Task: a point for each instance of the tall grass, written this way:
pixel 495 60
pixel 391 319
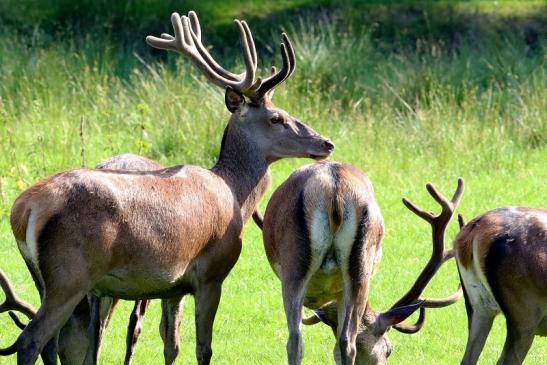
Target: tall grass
pixel 405 112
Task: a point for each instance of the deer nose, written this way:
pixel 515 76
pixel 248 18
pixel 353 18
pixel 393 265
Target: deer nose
pixel 328 145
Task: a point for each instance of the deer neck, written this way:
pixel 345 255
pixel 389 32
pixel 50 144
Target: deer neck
pixel 244 169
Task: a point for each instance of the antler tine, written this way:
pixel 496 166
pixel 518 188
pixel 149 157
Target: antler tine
pixel 412 328
pixel 444 302
pixel 187 40
pixel 311 320
pixel 447 255
pixel 250 66
pixel 167 41
pixel 439 254
pixel 13 302
pixel 448 206
pixel 241 82
pixel 427 216
pixel 461 221
pixel 16 320
pixel 292 55
pixel 196 36
pixel 251 41
pixel 288 57
pixel 458 193
pixel 194 22
pixel 439 198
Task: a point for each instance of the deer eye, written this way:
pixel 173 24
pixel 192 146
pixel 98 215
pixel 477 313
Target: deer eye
pixel 277 119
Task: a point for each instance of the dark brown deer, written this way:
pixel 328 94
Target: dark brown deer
pixel 502 261
pixel 323 234
pixel 160 234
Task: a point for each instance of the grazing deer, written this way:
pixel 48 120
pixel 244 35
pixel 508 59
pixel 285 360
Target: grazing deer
pixel 159 234
pixel 323 234
pixel 502 261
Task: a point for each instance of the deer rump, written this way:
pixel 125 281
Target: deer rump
pixel 334 218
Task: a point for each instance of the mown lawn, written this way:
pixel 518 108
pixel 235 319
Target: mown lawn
pixel 408 93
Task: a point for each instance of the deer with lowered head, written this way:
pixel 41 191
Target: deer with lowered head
pixel 323 234
pixel 159 234
pixel 502 261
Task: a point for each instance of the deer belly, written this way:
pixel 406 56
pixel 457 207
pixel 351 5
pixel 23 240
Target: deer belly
pixel 132 283
pixel 324 286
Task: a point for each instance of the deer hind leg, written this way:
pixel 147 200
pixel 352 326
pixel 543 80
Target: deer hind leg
pixel 171 315
pixel 134 329
pixel 356 268
pixel 55 310
pixel 350 312
pixel 481 323
pixel 207 298
pixel 522 321
pixel 293 292
pixel 51 349
pixel 517 343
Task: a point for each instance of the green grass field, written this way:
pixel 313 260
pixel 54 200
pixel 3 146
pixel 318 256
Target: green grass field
pixel 409 93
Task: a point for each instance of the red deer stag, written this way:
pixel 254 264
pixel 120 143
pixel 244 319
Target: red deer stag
pixel 323 234
pixel 502 261
pixel 73 337
pixel 159 234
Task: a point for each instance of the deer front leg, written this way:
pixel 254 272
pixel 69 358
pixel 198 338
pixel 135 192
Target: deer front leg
pixel 207 299
pixel 134 329
pixel 171 315
pixel 481 323
pixel 293 292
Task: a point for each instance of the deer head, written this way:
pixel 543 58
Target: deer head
pixel 272 131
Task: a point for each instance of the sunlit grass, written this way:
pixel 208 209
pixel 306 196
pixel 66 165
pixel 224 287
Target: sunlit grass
pixel 422 112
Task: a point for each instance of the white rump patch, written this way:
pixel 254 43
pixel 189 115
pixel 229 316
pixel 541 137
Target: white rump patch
pixel 479 292
pixel 477 287
pixel 31 240
pixel 320 236
pixel 29 247
pixel 345 236
pixel 24 249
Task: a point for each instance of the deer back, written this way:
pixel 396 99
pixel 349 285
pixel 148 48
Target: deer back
pixel 102 217
pixel 502 259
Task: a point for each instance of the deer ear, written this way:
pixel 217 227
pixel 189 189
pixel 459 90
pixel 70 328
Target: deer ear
pixel 233 99
pixel 394 316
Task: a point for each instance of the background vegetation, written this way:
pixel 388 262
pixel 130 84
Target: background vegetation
pixel 409 92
